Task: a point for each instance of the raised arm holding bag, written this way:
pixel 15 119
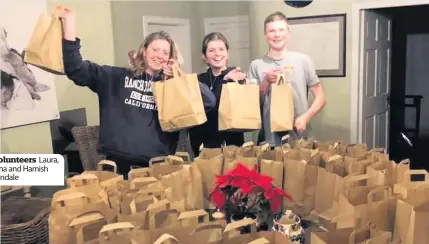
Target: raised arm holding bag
pixel 45 47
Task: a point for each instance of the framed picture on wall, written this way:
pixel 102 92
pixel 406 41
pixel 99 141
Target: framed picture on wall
pixel 323 38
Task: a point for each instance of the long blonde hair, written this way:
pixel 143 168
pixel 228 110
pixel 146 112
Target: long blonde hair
pixel 137 59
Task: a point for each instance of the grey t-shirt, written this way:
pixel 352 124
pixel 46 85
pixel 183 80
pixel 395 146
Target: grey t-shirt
pixel 301 74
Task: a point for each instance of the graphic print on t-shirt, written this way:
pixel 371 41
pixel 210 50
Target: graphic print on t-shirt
pixel 143 97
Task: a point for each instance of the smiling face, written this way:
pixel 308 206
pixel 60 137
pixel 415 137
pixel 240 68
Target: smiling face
pixel 156 55
pixel 217 54
pixel 276 34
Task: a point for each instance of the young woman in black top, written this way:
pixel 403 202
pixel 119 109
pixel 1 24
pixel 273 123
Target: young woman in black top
pixel 215 53
pixel 130 133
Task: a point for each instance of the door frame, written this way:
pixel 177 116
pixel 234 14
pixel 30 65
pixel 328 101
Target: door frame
pixel 356 87
pixel 148 19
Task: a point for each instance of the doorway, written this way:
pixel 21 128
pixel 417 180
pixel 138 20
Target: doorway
pixel 180 31
pixel 391 80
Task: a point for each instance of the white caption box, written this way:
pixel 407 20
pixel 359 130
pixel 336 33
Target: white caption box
pixel 31 170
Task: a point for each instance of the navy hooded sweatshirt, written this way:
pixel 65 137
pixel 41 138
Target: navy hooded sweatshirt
pixel 129 125
pixel 208 133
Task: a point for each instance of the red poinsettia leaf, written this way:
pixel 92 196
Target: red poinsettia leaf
pixel 269 194
pixel 239 182
pixel 218 197
pixel 275 204
pixel 222 180
pixel 279 191
pixel 246 189
pixel 240 170
pixel 263 181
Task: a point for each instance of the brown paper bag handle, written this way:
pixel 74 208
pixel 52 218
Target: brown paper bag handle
pixel 174 160
pixel 352 239
pixel 84 220
pixel 85 178
pixel 133 205
pixel 405 161
pixel 386 194
pixel 333 158
pixel 241 223
pixel 157 160
pixel 356 178
pixel 281 79
pixel 148 180
pixel 207 226
pixel 61 200
pixel 380 150
pixel 285 139
pixel 193 214
pixel 248 144
pixel 265 147
pixel 408 174
pixel 146 172
pixel 402 191
pixel 152 219
pixel 165 237
pixel 123 226
pixel 150 194
pixel 109 163
pixel 261 240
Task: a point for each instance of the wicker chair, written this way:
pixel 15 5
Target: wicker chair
pixel 86 138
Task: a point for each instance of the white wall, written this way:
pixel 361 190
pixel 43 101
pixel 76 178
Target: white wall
pixel 417 79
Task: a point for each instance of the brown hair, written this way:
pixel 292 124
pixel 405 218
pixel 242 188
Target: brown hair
pixel 274 17
pixel 214 36
pixel 137 59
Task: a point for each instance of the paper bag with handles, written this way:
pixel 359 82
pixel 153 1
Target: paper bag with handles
pixel 351 236
pixel 183 227
pixel 104 176
pixel 300 179
pixel 71 216
pixel 165 165
pixel 210 164
pixel 45 49
pixel 179 102
pixel 281 105
pixel 412 210
pixel 232 234
pixel 239 107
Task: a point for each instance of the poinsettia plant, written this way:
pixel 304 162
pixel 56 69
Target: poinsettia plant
pixel 245 192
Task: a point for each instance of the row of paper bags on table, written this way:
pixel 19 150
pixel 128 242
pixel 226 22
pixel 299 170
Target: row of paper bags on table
pixel 178 99
pixel 96 198
pixel 338 184
pixel 356 189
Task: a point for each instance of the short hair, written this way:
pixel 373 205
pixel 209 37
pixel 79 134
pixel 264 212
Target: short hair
pixel 274 17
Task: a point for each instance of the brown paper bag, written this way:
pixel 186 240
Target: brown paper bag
pixel 45 49
pixel 229 157
pixel 179 102
pixel 239 107
pixel 68 207
pixel 247 155
pixel 281 106
pixel 121 232
pixel 165 165
pixel 232 234
pixel 210 164
pixel 411 220
pixel 105 177
pixel 300 179
pixel 351 236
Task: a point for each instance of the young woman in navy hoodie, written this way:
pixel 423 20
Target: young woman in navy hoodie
pixel 215 53
pixel 130 133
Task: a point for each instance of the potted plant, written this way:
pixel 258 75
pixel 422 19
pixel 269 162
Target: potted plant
pixel 243 192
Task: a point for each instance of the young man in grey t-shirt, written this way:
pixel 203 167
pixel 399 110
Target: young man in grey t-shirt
pixel 300 73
